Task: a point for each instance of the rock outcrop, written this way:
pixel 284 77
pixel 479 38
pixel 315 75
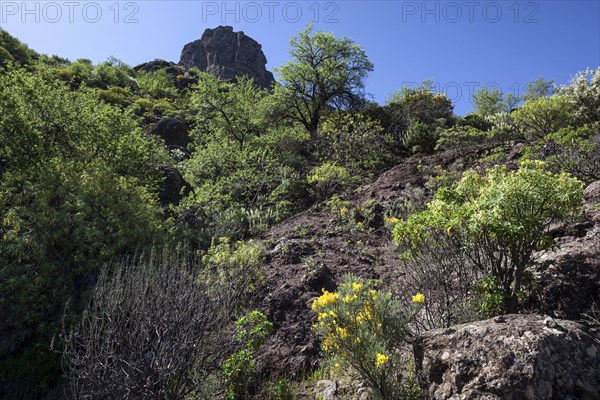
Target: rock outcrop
pixel 526 357
pixel 173 188
pixel 569 274
pixel 227 55
pixel 174 132
pixel 178 74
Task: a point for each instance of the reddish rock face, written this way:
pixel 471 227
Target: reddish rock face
pixel 227 55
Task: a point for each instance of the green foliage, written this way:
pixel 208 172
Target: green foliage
pixel 504 127
pixel 417 116
pixel 156 84
pixel 229 110
pixel 538 118
pixel 500 218
pixel 575 151
pixel 420 138
pixel 353 141
pixel 240 260
pixel 112 72
pixel 75 73
pixel 489 296
pixel 281 389
pixel 328 178
pixel 488 101
pixel 360 327
pixel 461 137
pixel 12 50
pixel 324 72
pixel 77 189
pixel 252 331
pixel 538 89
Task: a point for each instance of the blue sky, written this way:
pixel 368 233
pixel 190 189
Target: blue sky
pixel 460 45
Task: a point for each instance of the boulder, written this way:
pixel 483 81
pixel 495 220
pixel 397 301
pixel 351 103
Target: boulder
pixel 520 357
pixel 173 188
pixel 227 55
pixel 173 131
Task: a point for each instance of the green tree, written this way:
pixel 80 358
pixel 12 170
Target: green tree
pixel 353 140
pixel 488 101
pixel 325 72
pixel 539 88
pixel 538 118
pixel 229 109
pixel 499 218
pixel 417 115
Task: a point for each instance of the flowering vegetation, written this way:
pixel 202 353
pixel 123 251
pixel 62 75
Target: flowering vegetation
pixel 99 163
pixel 361 329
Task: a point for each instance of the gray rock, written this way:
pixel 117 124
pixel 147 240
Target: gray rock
pixel 326 389
pixel 526 357
pixel 227 55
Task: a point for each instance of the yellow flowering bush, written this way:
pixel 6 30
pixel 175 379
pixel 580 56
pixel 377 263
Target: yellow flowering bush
pixel 361 329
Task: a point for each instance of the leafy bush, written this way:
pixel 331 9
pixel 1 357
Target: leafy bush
pixel 576 151
pixel 251 331
pixel 352 141
pixel 157 84
pixel 76 190
pixel 460 137
pixel 241 261
pixel 584 95
pixel 541 117
pixel 360 327
pixel 499 218
pixel 328 178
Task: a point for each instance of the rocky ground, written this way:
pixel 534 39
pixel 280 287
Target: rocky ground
pixel 313 250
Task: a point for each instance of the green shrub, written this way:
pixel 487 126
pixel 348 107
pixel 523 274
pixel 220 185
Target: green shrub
pixel 546 115
pixel 353 141
pixel 157 84
pixel 360 327
pixel 239 260
pixel 460 138
pixel 328 178
pixel 499 218
pixel 420 137
pixel 252 331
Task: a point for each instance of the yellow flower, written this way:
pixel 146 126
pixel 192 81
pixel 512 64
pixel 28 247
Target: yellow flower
pixel 418 298
pixel 356 286
pixel 325 299
pixel 343 211
pixel 341 332
pixel 382 359
pixel 337 365
pixel 391 220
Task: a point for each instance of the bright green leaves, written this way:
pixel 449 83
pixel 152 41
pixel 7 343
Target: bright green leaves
pixel 538 118
pixel 499 218
pixel 324 72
